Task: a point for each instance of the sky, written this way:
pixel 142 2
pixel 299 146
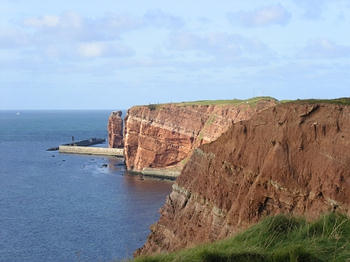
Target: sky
pixel 111 54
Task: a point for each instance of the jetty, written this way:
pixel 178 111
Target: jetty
pixel 87 142
pixel 103 151
pixel 82 147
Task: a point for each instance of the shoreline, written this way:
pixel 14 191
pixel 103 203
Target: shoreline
pixel 157 173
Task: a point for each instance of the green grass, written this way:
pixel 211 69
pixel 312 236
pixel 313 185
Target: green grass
pixel 277 239
pixel 340 101
pixel 251 101
pixel 210 121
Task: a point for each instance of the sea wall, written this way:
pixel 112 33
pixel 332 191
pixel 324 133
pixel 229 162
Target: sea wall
pixel 164 136
pixel 91 150
pixel 293 158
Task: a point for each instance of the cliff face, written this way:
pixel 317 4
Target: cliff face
pixel 115 130
pixel 292 158
pixel 165 135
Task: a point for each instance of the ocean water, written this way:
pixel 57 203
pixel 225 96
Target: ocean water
pixel 59 207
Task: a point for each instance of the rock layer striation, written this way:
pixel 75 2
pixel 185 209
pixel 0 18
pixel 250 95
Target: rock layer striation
pixel 115 130
pixel 293 158
pixel 159 136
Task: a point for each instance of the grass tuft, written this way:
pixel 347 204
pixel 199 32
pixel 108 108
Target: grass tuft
pixel 277 239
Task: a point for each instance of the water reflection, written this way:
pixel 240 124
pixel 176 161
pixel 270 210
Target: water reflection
pixel 145 183
pixel 116 164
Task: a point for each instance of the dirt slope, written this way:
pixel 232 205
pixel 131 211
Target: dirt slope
pixel 292 158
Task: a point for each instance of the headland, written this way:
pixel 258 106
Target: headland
pixel 239 162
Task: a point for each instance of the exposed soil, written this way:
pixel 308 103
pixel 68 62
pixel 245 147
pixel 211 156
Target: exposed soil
pixel 293 158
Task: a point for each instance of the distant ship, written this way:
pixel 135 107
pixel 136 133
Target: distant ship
pixel 18 113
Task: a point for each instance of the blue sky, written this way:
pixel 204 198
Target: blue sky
pixel 114 54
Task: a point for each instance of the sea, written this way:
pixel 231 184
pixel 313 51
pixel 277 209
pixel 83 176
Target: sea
pixel 62 207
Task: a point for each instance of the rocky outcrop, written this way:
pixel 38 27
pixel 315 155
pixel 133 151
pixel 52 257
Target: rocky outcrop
pixel 293 158
pixel 115 130
pixel 158 136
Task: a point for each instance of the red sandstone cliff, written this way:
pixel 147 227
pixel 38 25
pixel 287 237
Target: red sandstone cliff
pixel 115 129
pixel 292 158
pixel 165 135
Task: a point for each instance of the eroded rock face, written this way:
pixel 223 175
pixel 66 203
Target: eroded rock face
pixel 163 136
pixel 115 130
pixel 292 158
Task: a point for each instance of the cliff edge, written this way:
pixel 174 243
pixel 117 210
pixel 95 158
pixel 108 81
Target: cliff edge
pixel 115 130
pixel 293 158
pixel 164 136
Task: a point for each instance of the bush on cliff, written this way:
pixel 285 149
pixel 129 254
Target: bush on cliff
pixel 337 101
pixel 278 239
pixel 152 107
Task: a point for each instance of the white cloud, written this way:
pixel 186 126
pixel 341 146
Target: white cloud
pixel 44 21
pixel 324 48
pixel 103 49
pixel 318 9
pixel 268 15
pixel 313 9
pixel 66 20
pixel 160 19
pixel 222 45
pixel 118 22
pixel 53 36
pixel 91 49
pixel 71 25
pixel 71 19
pixel 12 38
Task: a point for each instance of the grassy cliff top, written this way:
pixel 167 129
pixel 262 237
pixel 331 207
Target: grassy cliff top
pixel 279 238
pixel 338 101
pixel 250 101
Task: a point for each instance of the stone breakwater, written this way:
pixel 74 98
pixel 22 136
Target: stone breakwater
pixel 91 150
pixel 293 158
pixel 164 136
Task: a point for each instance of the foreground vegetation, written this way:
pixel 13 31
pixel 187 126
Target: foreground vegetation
pixel 278 239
